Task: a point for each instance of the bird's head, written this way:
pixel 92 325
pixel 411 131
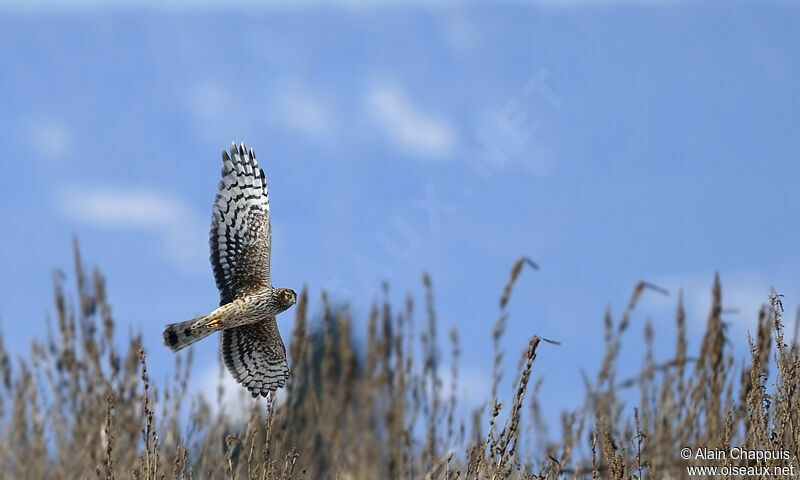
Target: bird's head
pixel 286 297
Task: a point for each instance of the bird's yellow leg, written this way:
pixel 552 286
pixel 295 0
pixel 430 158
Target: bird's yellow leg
pixel 214 323
pixel 215 320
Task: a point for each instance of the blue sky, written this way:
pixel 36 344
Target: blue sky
pixel 626 142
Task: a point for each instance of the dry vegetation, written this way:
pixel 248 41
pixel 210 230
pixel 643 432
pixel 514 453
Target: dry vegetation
pixel 77 407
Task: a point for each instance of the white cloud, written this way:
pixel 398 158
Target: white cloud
pixel 538 160
pixel 460 32
pixel 305 113
pixel 138 209
pixel 51 138
pixel 123 209
pixel 413 129
pixel 209 100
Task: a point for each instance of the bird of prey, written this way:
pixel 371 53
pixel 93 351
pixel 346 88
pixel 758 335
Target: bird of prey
pixel 252 347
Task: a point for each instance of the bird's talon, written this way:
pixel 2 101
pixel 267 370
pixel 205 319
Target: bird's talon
pixel 213 324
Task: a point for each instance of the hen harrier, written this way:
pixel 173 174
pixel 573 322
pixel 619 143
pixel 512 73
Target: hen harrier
pixel 240 243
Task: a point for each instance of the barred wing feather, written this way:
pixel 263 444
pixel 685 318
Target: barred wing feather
pixel 240 226
pixel 256 357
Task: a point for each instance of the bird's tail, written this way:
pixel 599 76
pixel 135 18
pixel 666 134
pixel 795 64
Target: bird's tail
pixel 180 335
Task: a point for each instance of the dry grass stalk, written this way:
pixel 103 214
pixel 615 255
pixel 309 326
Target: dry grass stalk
pixel 385 413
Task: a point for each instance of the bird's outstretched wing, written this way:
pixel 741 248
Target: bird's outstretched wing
pixel 240 228
pixel 256 357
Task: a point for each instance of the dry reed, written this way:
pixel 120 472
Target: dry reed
pixel 78 407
